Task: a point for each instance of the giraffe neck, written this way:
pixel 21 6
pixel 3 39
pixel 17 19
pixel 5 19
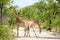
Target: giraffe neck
pixel 15 13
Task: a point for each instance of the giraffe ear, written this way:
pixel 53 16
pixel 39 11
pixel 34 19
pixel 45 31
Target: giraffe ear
pixel 11 7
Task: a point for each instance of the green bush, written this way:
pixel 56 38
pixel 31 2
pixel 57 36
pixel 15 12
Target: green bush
pixel 5 32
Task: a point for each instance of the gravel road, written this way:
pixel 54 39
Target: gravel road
pixel 43 36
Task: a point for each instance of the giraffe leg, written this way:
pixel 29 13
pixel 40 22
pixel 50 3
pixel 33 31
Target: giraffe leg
pixel 29 31
pixel 34 32
pixel 39 28
pixel 24 32
pixel 29 34
pixel 17 31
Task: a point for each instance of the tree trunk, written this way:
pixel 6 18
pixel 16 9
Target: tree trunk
pixel 1 12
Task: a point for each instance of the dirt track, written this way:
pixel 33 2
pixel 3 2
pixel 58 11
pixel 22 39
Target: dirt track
pixel 43 36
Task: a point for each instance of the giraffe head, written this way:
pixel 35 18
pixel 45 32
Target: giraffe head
pixel 14 10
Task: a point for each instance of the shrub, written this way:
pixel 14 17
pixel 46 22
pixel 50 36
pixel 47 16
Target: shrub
pixel 5 32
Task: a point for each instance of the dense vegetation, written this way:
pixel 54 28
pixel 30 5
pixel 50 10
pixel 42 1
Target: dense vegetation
pixel 5 29
pixel 47 12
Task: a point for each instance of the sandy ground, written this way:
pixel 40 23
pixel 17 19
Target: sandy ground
pixel 43 36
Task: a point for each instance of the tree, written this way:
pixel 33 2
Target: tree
pixel 5 30
pixel 46 11
pixel 2 4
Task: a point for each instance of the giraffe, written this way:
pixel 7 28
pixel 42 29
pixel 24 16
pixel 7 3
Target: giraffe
pixel 27 24
pixel 20 22
pixel 31 23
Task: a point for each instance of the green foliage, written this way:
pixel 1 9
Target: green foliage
pixel 6 14
pixel 5 32
pixel 46 12
pixel 10 16
pixel 5 1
